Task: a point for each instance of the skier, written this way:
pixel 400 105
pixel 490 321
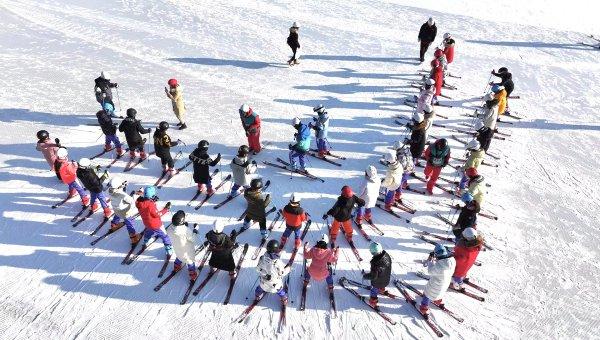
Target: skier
pixel 437 156
pixel 294 215
pixel 428 116
pixel 271 271
pixel 184 244
pixel 437 74
pixel 500 95
pixel 102 89
pixel 174 93
pixel 408 167
pixel 321 256
pixel 257 204
pixel 242 169
pixel 476 155
pixel 418 137
pixel 109 129
pixel 484 135
pixel 321 126
pixel 67 171
pixel 369 191
pixel 381 271
pixel 93 184
pixel 441 57
pixel 221 247
pixel 448 47
pixel 293 43
pixel 132 129
pixel 476 186
pixel 507 82
pixel 251 124
pixel 47 148
pixel 298 150
pixel 440 267
pixel 124 207
pixel 202 163
pixel 426 95
pixel 467 218
pixel 342 213
pixel 146 205
pixel 489 111
pixel 393 178
pixel 427 35
pixel 163 145
pixel 465 253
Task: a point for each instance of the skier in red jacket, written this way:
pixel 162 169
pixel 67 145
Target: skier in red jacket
pixel 448 47
pixel 465 253
pixel 437 74
pixel 146 206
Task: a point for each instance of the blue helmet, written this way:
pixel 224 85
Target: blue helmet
pixel 440 250
pixel 108 107
pixel 497 88
pixel 467 197
pixel 149 192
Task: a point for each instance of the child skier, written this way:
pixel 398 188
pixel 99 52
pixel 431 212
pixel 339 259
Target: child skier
pixel 124 207
pixel 342 213
pixel 484 135
pixel 293 215
pixel 369 191
pixel 437 74
pixel 163 145
pixel 174 93
pixel 102 89
pixel 202 163
pixel 184 244
pixel 507 82
pixel 418 137
pixel 132 129
pixel 408 167
pixel 242 169
pixel 271 271
pixel 109 129
pixel 381 271
pixel 426 95
pixel 427 35
pixel 476 155
pixel 489 111
pixel 93 184
pixel 221 247
pixel 321 126
pixel 321 256
pixel 257 204
pixel 448 47
pixel 437 156
pixel 146 205
pixel 293 43
pixel 299 149
pixel 251 124
pixel 476 185
pixel 467 218
pixel 393 178
pixel 67 171
pixel 465 253
pixel 47 148
pixel 500 94
pixel 440 267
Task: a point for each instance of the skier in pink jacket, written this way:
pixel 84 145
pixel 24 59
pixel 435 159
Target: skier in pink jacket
pixel 321 256
pixel 47 148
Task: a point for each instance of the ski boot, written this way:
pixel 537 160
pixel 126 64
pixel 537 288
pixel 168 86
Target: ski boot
pixel 368 217
pixel 373 302
pixel 439 303
pixel 210 191
pixel 107 147
pixel 72 192
pixel 264 234
pixel 120 152
pixel 85 201
pixel 135 238
pixel 132 154
pixel 424 309
pixel 177 265
pixel 95 207
pixel 143 155
pixel 297 243
pixel 282 242
pixel 193 274
pixel 107 212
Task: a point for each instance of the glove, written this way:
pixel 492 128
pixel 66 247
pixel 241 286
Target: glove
pixel 325 216
pixel 406 140
pixel 366 276
pixel 247 134
pixel 195 228
pixel 219 155
pixel 57 141
pixel 166 91
pixel 233 233
pixel 254 162
pixel 168 206
pixel 98 167
pixel 268 277
pixel 116 84
pixel 290 146
pixel 155 198
pixel 315 119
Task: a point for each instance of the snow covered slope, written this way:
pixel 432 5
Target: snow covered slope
pixel 358 60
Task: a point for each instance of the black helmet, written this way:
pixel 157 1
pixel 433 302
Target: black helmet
pixel 243 151
pixel 272 246
pixel 163 126
pixel 178 217
pixel 256 183
pixel 42 134
pixel 502 70
pixel 131 112
pixel 442 143
pixel 203 144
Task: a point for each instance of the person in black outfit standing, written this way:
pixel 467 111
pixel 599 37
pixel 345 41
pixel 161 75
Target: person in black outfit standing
pixel 202 162
pixel 380 274
pixel 132 129
pixel 102 89
pixel 110 132
pixel 221 247
pixel 484 135
pixel 163 145
pixel 427 35
pixel 292 41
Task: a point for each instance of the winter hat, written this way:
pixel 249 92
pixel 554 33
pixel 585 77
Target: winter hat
pixel 117 182
pixel 245 108
pixel 391 157
pixel 294 198
pixel 438 53
pixel 470 233
pixel 131 112
pixel 218 226
pixel 375 248
pixel 488 97
pixel 295 121
pixel 430 22
pixel 178 218
pixel 319 108
pixel 323 242
pixel 150 191
pixel 447 35
pixel 62 153
pixel 172 82
pixel 440 250
pixel 371 172
pixel 104 75
pixel 417 117
pixel 429 81
pixel 295 25
pixel 84 162
pixel 467 197
pixel 473 145
pixel 347 191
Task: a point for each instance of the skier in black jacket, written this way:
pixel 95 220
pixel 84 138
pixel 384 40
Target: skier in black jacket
pixel 342 213
pixel 484 135
pixel 93 183
pixel 202 163
pixel 221 247
pixel 507 82
pixel 467 218
pixel 381 271
pixel 132 129
pixel 102 89
pixel 162 147
pixel 110 132
pixel 292 41
pixel 427 35
pixel 418 137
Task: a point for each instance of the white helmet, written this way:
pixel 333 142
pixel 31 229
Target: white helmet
pixel 324 238
pixel 105 75
pixel 470 233
pixel 62 153
pixel 447 36
pixel 295 121
pixel 398 145
pixel 319 108
pixel 488 97
pixel 478 125
pixel 245 108
pixel 417 117
pixel 473 145
pixel 429 81
pixel 371 172
pixel 428 108
pixel 430 21
pixel 294 198
pixel 85 162
pixel 117 182
pixel 218 226
pixel 391 157
pixel 295 25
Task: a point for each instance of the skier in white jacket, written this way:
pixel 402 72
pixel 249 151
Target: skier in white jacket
pixel 489 111
pixel 426 95
pixel 369 191
pixel 124 207
pixel 242 169
pixel 184 244
pixel 440 268
pixel 393 178
pixel 271 271
pixel 408 166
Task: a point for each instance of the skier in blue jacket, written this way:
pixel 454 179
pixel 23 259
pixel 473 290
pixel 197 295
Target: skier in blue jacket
pixel 321 126
pixel 298 150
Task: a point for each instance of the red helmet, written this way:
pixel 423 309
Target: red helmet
pixel 347 191
pixel 172 82
pixel 471 172
pixel 438 53
pixel 435 63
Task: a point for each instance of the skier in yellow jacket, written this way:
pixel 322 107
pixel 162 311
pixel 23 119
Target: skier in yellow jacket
pixel 174 93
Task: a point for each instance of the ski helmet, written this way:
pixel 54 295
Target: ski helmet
pixel 418 117
pixel 150 191
pixel 323 241
pixel 295 25
pixel 243 151
pixel 131 112
pixel 502 70
pixel 473 145
pixel 294 198
pixel 470 233
pixel 488 97
pixel 497 88
pixel 203 145
pixel 371 172
pixel 245 108
pixel 296 121
pixel 42 134
pixel 105 75
pixel 178 218
pixel 172 82
pixel 117 182
pixel 218 226
pixel 375 248
pixel 84 163
pixel 347 191
pixel 447 35
pixel 430 21
pixel 441 143
pixel 319 108
pixel 163 126
pixel 467 197
pixel 478 125
pixel 256 183
pixel 471 172
pixel 429 82
pixel 272 246
pixel 390 157
pixel 108 107
pixel 440 250
pixel 398 145
pixel 438 53
pixel 428 109
pixel 62 153
pixel 435 63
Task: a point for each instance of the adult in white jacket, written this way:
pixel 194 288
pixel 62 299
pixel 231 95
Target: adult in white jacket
pixel 393 178
pixel 271 271
pixel 124 207
pixel 440 269
pixel 489 111
pixel 369 191
pixel 184 244
pixel 242 170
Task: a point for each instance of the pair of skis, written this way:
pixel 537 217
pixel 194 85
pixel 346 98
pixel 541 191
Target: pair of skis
pixel 110 231
pixel 344 283
pixel 170 176
pixel 208 196
pixel 302 236
pixel 286 166
pixel 130 257
pixel 264 240
pixel 350 241
pixel 323 158
pixel 117 157
pixel 332 307
pixel 461 291
pixel 133 162
pixel 392 212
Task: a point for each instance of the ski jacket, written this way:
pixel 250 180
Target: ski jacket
pixel 257 202
pixel 251 122
pixel 294 215
pixel 163 143
pixel 292 39
pixel 221 246
pixel 489 113
pixel 241 169
pixel 467 218
pixel 149 213
pixel 184 242
pixel 132 128
pixel 176 96
pixel 342 209
pixel 465 254
pixel 484 136
pixel 393 176
pixel 506 81
pixel 425 97
pixel 123 205
pixel 501 97
pixel 381 270
pixel 443 62
pixel 48 149
pixel 320 257
pixel 406 161
pixel 477 188
pixel 67 171
pixel 437 157
pixel 106 123
pixel 438 76
pixel 302 138
pixel 90 179
pixel 102 89
pixel 271 271
pixel 321 125
pixel 427 33
pixel 418 139
pixel 475 159
pixel 449 49
pixel 369 191
pixel 440 276
pixel 202 163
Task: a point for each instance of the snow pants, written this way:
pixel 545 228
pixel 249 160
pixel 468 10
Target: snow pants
pixel 322 144
pixel 423 49
pixel 254 141
pixel 294 154
pixel 364 212
pixel 127 222
pixel 403 183
pixel 100 196
pixel 433 173
pixel 328 279
pixel 335 228
pixel 108 139
pixel 259 291
pixel 76 187
pixel 158 233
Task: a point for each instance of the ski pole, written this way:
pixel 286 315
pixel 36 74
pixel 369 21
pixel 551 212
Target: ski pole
pixel 252 287
pixel 118 99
